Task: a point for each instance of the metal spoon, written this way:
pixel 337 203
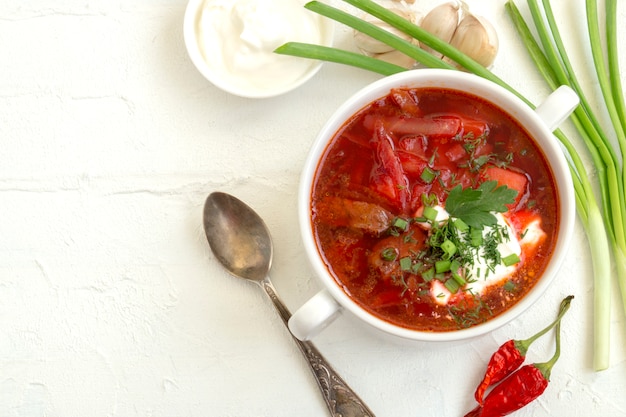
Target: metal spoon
pixel 242 244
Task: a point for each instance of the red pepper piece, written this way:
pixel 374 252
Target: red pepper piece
pixel 520 388
pixel 505 360
pixel 511 355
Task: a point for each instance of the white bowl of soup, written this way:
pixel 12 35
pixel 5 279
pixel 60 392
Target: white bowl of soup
pixel 434 205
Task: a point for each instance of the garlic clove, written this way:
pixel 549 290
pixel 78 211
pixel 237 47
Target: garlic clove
pixel 369 46
pixel 442 21
pixel 397 58
pixel 477 38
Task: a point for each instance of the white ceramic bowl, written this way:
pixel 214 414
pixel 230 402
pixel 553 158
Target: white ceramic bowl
pixel 320 310
pixel 231 43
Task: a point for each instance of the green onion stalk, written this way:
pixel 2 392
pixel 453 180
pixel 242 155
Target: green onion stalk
pixel 611 85
pixel 610 170
pixel 556 68
pixel 603 223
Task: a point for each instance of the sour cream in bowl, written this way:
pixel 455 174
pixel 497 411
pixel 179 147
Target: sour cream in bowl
pixel 232 43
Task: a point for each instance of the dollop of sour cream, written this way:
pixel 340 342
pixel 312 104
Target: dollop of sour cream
pixel 483 276
pixel 237 39
pixel 479 270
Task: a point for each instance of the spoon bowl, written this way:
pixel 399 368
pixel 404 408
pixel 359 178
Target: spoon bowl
pixel 241 242
pixel 238 237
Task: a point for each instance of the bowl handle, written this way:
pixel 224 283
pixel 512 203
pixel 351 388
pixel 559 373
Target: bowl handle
pixel 314 316
pixel 557 107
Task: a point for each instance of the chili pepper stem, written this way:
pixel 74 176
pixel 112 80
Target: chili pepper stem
pixel 546 367
pixel 523 345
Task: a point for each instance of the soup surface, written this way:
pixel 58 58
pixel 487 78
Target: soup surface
pixel 434 210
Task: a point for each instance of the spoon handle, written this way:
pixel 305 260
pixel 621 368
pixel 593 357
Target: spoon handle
pixel 339 397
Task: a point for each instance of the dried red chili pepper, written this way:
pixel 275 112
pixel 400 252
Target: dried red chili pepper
pixel 511 355
pixel 520 388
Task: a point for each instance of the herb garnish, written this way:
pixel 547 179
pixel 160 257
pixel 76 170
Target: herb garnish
pixel 475 207
pixel 453 245
pixel 467 313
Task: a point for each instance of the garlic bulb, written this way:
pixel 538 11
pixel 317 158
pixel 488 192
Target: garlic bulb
pixel 473 35
pixel 377 49
pixel 442 21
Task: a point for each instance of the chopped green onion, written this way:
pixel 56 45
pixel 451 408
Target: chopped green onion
pixel 430 213
pixel 442 266
pixel 430 200
pixel 389 254
pixel 452 286
pixel 400 223
pixel 428 175
pixel 405 263
pixel 428 275
pixel 459 279
pixel 449 248
pixel 455 266
pixel 476 237
pixel 460 225
pixel 511 259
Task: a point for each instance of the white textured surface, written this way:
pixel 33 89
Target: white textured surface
pixel 111 303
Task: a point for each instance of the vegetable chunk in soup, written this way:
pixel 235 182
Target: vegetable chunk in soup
pixel 434 210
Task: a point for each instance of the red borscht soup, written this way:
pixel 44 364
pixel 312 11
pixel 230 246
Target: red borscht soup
pixel 434 210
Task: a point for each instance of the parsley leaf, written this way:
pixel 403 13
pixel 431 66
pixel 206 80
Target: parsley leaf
pixel 475 206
